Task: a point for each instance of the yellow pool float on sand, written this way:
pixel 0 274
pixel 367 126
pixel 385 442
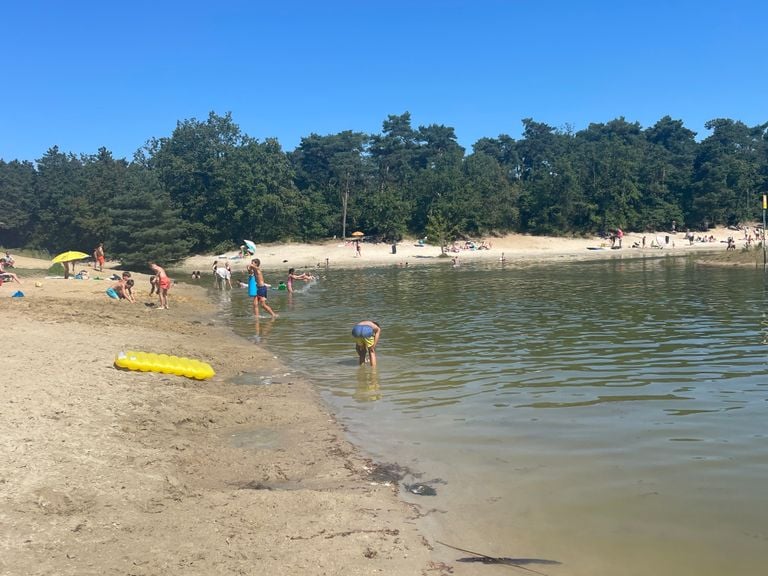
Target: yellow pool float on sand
pixel 150 362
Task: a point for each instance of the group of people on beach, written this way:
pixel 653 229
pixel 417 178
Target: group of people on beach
pixel 365 333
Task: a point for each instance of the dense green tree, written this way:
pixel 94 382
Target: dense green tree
pixel 211 186
pixel 18 203
pixel 192 167
pixel 145 227
pixel 665 174
pixel 610 155
pixel 727 174
pixel 337 166
pixel 60 192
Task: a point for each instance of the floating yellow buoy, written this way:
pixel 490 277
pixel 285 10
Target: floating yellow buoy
pixel 150 362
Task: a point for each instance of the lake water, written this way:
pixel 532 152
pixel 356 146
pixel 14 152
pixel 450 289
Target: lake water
pixel 609 415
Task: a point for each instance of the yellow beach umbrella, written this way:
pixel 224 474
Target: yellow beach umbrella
pixel 69 256
pixel 358 234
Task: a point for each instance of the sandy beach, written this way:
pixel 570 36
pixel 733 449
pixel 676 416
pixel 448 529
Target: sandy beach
pixel 277 258
pixel 108 471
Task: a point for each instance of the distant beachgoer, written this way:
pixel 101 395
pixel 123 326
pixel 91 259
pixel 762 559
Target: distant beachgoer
pixel 163 284
pixel 293 276
pixel 261 289
pixel 214 268
pixel 358 253
pixel 224 276
pixel 153 285
pixel 98 257
pixel 366 334
pixel 7 274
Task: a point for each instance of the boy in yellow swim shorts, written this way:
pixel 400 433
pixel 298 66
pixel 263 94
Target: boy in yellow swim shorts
pixel 366 334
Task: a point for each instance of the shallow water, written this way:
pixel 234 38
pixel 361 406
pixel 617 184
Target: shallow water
pixel 609 415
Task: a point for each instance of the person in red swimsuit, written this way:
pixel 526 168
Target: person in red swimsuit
pixel 163 284
pixel 98 256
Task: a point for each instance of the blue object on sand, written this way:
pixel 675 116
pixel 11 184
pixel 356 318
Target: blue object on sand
pixel 17 294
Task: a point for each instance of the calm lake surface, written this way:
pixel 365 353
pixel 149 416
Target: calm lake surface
pixel 610 415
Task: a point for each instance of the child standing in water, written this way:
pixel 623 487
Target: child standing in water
pixel 261 289
pixel 366 334
pixel 293 276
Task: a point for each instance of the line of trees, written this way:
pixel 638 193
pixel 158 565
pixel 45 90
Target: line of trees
pixel 208 185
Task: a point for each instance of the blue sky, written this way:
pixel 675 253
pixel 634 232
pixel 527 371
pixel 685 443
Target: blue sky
pixel 82 74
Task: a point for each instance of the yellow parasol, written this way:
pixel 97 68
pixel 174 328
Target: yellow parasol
pixel 69 256
pixel 358 234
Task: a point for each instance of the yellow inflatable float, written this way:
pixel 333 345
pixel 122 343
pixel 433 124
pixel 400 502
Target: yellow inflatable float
pixel 150 362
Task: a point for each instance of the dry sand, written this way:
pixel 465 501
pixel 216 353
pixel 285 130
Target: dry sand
pixel 105 471
pixel 277 258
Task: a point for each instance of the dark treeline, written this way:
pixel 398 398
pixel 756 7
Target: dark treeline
pixel 208 186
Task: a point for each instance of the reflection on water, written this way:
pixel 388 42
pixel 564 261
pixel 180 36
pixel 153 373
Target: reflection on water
pixel 600 413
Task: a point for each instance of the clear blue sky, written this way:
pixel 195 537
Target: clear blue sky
pixel 83 74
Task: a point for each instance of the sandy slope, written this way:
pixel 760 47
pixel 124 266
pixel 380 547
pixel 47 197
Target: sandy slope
pixel 106 471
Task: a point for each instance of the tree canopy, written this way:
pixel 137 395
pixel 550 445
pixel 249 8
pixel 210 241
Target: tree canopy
pixel 207 186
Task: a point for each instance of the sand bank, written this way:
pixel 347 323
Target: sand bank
pixel 106 471
pixel 512 247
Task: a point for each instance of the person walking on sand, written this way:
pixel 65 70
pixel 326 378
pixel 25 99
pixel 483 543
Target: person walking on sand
pixel 366 334
pixel 98 257
pixel 163 284
pixel 254 269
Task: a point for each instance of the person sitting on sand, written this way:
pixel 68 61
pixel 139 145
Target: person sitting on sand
pixel 123 289
pixel 5 274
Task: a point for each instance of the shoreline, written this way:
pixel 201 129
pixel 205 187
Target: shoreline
pixel 114 472
pixel 278 258
pixel 109 470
